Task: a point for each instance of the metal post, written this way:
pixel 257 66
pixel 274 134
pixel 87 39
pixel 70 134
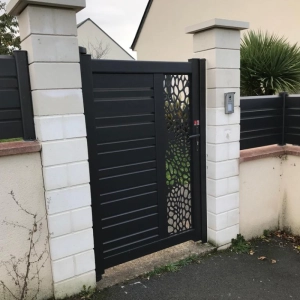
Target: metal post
pixel 283 96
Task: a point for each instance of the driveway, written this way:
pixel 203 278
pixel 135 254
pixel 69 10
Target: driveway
pixel 223 275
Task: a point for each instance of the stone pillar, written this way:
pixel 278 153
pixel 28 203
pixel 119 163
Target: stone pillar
pixel 48 32
pixel 219 42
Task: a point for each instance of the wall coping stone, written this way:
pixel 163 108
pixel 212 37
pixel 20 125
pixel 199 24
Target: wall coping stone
pixel 14 148
pixel 217 23
pixel 15 7
pixel 268 151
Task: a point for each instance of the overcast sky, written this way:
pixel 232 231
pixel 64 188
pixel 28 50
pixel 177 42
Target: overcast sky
pixel 118 18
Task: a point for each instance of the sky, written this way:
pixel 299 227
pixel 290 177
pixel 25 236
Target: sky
pixel 118 18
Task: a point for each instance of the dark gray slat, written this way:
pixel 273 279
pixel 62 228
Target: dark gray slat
pixel 106 147
pixel 262 103
pixel 262 132
pixel 124 120
pixel 258 123
pixel 123 93
pixel 123 107
pixel 292 139
pixel 293 130
pixel 260 141
pixel 292 112
pixel 25 94
pixel 293 102
pixel 123 133
pixel 10 114
pixel 8 83
pixel 131 215
pixel 129 239
pixel 260 113
pixel 122 66
pixel 9 99
pixel 292 121
pixel 126 247
pixel 130 180
pixel 126 157
pixel 128 204
pixel 127 169
pixel 121 81
pixel 11 129
pixel 7 66
pixel 137 190
pixel 129 227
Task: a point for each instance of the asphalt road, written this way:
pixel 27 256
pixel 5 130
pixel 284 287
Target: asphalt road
pixel 224 275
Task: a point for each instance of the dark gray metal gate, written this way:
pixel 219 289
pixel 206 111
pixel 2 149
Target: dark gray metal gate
pixel 146 139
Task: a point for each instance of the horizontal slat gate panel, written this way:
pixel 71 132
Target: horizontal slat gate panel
pixel 127 169
pixel 131 215
pixel 140 67
pixel 117 108
pixel 121 83
pixel 125 132
pixel 121 145
pixel 114 246
pixel 127 181
pixel 130 227
pixel 126 157
pixel 121 194
pixel 124 120
pixel 128 204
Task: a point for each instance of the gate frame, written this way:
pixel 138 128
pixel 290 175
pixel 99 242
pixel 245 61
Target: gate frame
pixel 198 210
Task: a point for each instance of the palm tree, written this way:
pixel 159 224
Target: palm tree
pixel 269 64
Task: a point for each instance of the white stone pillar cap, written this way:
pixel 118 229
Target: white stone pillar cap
pixel 15 7
pixel 217 23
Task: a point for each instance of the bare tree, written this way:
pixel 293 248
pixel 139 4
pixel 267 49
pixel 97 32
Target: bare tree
pixel 98 49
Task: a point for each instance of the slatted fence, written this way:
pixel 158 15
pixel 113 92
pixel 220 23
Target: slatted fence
pixel 267 120
pixel 16 116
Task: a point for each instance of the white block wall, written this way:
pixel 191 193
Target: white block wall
pixel 221 48
pixel 50 37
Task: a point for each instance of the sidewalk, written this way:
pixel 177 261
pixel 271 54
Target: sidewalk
pixel 223 275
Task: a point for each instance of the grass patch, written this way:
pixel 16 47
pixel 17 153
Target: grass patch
pixel 11 140
pixel 173 267
pixel 240 245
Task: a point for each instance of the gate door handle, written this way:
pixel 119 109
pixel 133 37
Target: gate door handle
pixel 194 136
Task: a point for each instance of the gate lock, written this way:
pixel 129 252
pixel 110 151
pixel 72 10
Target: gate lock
pixel 196 134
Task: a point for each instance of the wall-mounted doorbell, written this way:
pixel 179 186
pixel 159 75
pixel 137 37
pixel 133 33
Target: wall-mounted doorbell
pixel 229 103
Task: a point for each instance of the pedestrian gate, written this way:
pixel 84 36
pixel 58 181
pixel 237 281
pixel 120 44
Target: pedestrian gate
pixel 146 139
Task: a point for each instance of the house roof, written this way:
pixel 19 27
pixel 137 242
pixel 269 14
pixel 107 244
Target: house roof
pixel 88 19
pixel 137 35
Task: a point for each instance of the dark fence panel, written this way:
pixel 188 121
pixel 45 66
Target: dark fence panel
pixel 268 120
pixel 261 121
pixel 292 120
pixel 16 116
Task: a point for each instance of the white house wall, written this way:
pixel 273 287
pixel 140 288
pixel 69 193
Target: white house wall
pixel 90 33
pixel 22 174
pixel 163 35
